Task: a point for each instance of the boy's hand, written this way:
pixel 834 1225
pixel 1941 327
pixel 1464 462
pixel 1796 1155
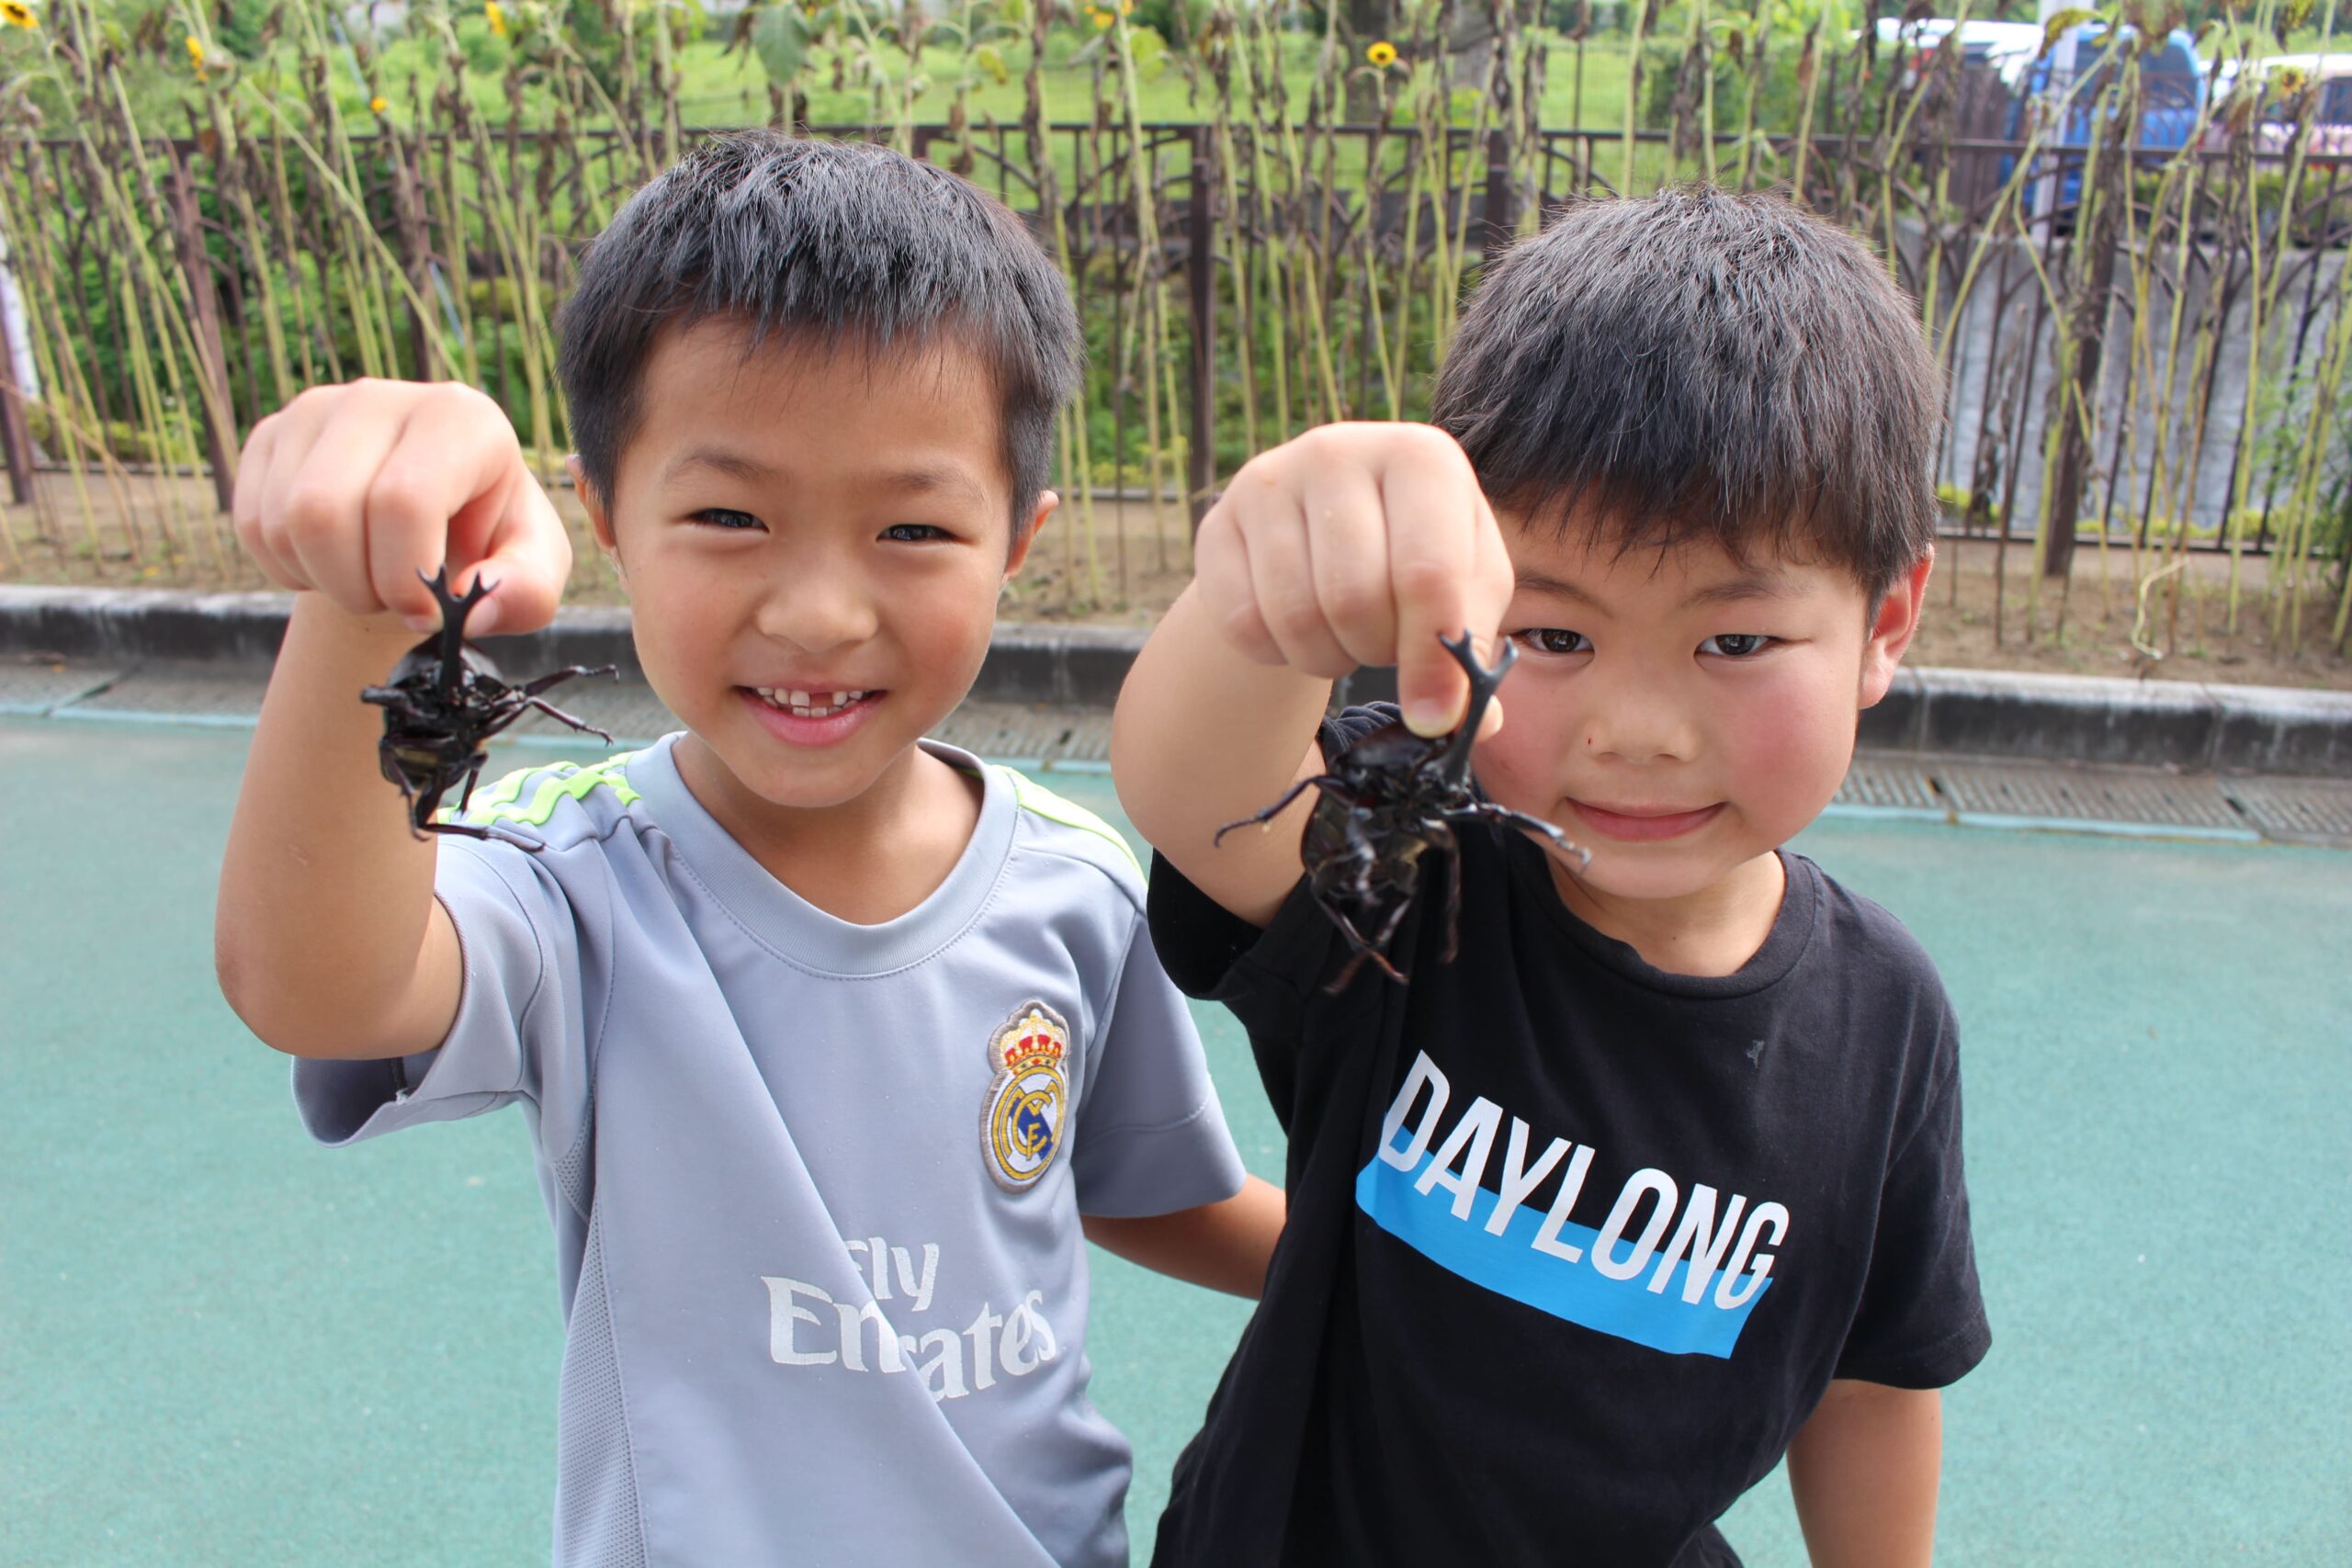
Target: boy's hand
pixel 1358 544
pixel 352 491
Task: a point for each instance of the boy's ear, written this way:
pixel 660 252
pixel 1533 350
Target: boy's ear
pixel 1892 628
pixel 1027 533
pixel 593 504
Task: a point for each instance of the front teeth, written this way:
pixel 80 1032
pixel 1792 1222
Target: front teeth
pixel 805 705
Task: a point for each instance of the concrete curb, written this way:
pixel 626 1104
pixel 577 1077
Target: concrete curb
pixel 2052 718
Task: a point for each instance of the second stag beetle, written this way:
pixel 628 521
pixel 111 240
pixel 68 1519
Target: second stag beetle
pixel 1389 798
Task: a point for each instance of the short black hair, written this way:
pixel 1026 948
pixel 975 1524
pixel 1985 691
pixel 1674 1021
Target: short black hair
pixel 831 242
pixel 1703 365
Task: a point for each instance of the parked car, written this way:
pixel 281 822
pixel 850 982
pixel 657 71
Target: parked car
pixel 2174 81
pixel 2274 126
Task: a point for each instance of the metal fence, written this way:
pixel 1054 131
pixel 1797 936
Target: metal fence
pixel 1237 285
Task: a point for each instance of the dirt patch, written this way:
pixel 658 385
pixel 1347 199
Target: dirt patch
pixel 1131 564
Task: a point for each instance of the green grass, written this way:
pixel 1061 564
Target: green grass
pixel 719 88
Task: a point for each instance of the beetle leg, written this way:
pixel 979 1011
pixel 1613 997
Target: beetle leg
pixel 1503 814
pixel 1442 837
pixel 472 775
pixel 532 688
pixel 1366 950
pixel 1320 781
pixel 553 712
pixel 1358 858
pixel 421 805
pixel 1363 860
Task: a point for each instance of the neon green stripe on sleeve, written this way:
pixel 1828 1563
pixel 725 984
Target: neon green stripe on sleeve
pixel 549 787
pixel 1034 796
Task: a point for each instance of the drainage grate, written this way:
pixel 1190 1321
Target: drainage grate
pixel 630 713
pixel 1014 732
pixel 38 686
pixel 174 697
pixel 2306 810
pixel 1884 788
pixel 2113 800
pixel 2010 794
pixel 1002 731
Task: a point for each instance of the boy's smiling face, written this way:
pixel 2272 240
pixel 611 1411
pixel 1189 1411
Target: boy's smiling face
pixel 814 545
pixel 1682 714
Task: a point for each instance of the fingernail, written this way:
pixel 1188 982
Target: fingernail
pixel 418 623
pixel 1427 716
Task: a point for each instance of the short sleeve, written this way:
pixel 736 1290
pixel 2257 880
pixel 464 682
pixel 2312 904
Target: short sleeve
pixel 517 1021
pixel 1921 1322
pixel 1151 1136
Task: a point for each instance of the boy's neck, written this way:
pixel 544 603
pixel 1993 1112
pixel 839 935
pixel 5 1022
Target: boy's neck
pixel 1714 931
pixel 868 859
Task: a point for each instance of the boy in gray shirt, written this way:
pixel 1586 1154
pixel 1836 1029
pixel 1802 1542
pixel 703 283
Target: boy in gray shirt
pixel 828 1034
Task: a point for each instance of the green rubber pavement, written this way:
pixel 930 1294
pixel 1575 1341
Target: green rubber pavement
pixel 220 1345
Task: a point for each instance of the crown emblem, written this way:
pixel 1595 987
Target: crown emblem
pixel 1034 1037
pixel 1027 1109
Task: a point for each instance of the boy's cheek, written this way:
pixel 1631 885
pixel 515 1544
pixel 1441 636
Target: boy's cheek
pixel 1791 748
pixel 1520 765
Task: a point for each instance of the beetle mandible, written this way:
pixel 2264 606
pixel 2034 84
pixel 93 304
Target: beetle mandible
pixel 1389 798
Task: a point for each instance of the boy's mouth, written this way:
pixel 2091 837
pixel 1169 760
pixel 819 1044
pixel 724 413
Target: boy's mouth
pixel 1635 824
pixel 806 718
pixel 811 704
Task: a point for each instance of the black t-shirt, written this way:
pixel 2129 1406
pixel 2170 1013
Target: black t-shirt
pixel 1481 1341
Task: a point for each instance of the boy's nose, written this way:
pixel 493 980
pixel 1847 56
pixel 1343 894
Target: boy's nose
pixel 815 606
pixel 1636 726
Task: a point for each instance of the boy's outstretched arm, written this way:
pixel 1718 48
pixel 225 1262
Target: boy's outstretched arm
pixel 1355 544
pixel 1863 1470
pixel 1224 1247
pixel 327 939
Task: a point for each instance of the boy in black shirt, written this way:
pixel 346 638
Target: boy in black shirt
pixel 1660 1179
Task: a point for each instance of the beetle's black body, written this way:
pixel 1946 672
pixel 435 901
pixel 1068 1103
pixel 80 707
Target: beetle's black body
pixel 443 700
pixel 1387 800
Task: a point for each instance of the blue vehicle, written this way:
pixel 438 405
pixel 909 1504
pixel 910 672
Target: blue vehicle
pixel 2173 86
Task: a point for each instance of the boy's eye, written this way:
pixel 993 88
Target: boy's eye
pixel 915 532
pixel 1552 639
pixel 1736 645
pixel 726 517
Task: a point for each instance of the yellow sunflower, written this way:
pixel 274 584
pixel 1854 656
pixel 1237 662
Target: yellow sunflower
pixel 495 15
pixel 1383 54
pixel 16 13
pixel 195 52
pixel 1102 19
pixel 376 105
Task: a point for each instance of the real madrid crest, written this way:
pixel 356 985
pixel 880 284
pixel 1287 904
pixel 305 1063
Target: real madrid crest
pixel 1028 1102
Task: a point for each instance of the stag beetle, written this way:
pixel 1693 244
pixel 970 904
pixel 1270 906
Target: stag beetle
pixel 1388 798
pixel 444 699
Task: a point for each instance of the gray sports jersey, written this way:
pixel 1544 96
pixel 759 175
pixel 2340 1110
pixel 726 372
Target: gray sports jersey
pixel 816 1186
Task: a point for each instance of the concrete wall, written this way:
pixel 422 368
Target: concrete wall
pixel 2008 291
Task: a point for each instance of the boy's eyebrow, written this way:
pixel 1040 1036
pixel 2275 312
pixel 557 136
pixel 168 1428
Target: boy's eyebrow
pixel 1543 582
pixel 734 465
pixel 1746 586
pixel 930 480
pixel 923 481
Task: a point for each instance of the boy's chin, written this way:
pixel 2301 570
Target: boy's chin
pixel 763 769
pixel 1653 873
